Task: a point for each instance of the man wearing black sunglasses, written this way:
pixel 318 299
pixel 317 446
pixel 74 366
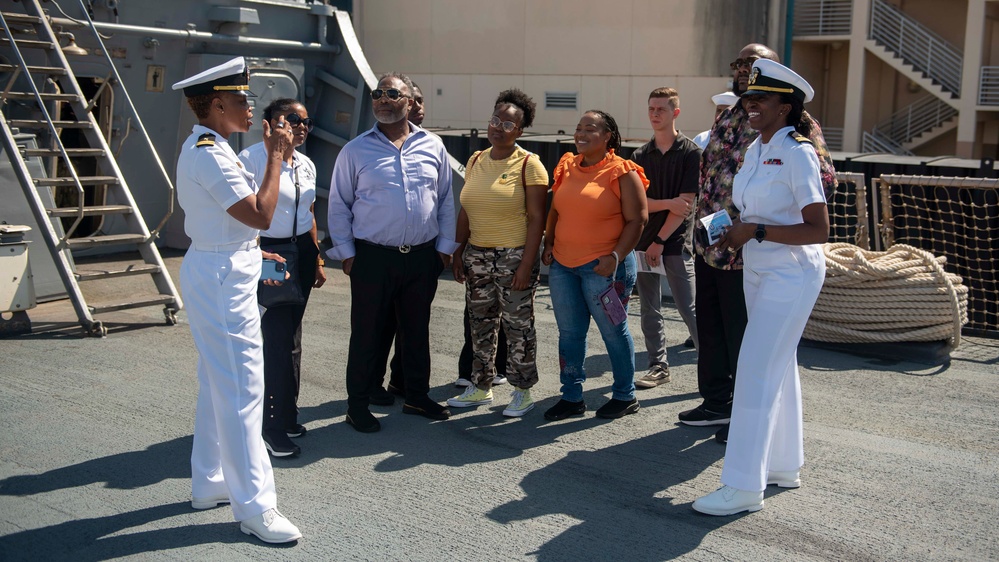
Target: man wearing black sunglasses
pixel 392 223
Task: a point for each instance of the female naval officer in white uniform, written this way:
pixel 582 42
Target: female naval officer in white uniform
pixel 779 194
pixel 224 212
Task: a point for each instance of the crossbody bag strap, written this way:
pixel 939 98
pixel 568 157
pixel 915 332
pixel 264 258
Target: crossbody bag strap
pixel 298 196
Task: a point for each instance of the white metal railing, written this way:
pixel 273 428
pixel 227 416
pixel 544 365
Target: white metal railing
pixel 917 45
pixel 988 86
pixel 915 119
pixel 876 142
pixel 834 137
pixel 822 17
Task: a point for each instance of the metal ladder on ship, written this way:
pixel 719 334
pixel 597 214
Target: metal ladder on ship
pixel 31 30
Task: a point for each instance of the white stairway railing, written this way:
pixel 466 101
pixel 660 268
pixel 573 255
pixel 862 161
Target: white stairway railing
pixel 988 86
pixel 915 119
pixel 917 45
pixel 876 142
pixel 822 17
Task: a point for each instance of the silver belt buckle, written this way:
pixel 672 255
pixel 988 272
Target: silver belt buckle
pixel 405 249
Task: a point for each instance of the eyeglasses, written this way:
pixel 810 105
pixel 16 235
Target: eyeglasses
pixel 392 93
pixel 294 120
pixel 739 63
pixel 507 126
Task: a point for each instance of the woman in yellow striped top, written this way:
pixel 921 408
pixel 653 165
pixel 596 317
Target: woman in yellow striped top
pixel 500 225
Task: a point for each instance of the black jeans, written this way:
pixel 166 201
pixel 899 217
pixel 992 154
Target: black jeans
pixel 386 284
pixel 721 321
pixel 281 328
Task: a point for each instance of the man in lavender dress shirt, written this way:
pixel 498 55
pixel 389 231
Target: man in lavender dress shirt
pixel 392 223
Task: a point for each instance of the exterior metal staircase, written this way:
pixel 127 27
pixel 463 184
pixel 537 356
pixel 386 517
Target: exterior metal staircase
pixel 912 126
pixel 43 96
pixel 928 60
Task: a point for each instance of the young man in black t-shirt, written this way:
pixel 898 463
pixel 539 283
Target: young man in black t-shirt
pixel 672 164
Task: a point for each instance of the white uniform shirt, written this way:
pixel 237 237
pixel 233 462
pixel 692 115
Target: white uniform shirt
pixel 776 181
pixel 302 168
pixel 210 178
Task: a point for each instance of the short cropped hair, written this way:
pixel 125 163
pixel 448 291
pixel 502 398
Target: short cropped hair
pixel 669 93
pixel 202 105
pixel 402 77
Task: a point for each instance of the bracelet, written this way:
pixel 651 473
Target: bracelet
pixel 320 262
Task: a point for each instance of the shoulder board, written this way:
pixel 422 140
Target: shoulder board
pixel 206 139
pixel 800 137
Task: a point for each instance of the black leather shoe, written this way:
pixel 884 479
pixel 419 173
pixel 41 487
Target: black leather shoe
pixel 399 391
pixel 279 445
pixel 381 397
pixel 722 435
pixel 363 421
pixel 297 430
pixel 427 408
pixel 689 343
pixel 563 409
pixel 614 408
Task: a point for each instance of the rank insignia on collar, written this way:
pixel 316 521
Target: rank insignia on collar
pixel 206 139
pixel 773 162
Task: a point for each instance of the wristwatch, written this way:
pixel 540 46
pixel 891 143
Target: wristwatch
pixel 658 240
pixel 761 232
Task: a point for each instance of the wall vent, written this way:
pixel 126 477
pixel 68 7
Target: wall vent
pixel 562 100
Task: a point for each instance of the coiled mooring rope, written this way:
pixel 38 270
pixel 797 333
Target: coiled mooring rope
pixel 899 295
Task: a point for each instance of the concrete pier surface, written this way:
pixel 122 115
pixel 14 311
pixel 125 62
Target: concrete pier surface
pixel 902 457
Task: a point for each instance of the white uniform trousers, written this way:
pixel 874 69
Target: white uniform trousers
pixel 766 425
pixel 220 291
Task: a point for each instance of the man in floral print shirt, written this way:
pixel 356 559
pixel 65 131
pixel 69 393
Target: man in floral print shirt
pixel 720 302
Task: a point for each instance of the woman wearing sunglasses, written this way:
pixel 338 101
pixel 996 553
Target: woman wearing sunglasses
pixel 281 326
pixel 500 224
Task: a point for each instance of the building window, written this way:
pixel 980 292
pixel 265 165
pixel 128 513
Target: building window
pixel 562 100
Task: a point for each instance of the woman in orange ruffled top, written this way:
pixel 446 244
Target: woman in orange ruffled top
pixel 598 213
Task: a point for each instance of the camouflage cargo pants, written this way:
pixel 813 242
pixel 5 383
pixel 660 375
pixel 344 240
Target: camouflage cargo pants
pixel 492 305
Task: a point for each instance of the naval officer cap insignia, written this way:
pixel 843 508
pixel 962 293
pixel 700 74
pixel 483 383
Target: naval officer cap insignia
pixel 725 98
pixel 232 76
pixel 769 77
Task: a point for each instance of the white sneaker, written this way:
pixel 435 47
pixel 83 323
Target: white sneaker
pixel 209 502
pixel 788 479
pixel 499 379
pixel 473 396
pixel 729 501
pixel 462 382
pixel 270 526
pixel 521 403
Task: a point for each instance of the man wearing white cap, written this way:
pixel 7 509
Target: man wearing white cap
pixel 778 191
pixel 720 302
pixel 225 210
pixel 722 102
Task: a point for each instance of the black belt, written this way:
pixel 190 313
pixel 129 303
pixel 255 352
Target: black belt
pixel 404 249
pixel 276 241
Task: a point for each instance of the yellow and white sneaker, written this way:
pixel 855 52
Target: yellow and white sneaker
pixel 521 403
pixel 473 396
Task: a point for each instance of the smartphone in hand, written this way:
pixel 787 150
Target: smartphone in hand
pixel 273 270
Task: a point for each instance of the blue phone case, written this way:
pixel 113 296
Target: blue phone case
pixel 273 270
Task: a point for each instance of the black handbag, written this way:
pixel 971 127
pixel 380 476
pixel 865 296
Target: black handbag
pixel 290 291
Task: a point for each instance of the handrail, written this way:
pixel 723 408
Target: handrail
pixel 875 142
pixel 57 141
pixel 823 17
pixel 917 45
pixel 915 119
pixel 988 86
pixel 138 122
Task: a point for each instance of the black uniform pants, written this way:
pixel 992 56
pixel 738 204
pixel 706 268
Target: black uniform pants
pixel 386 284
pixel 721 321
pixel 281 328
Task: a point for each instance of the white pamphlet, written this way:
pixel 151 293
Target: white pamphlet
pixel 644 267
pixel 716 224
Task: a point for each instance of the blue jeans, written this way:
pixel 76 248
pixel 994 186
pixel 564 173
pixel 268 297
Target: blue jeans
pixel 574 298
